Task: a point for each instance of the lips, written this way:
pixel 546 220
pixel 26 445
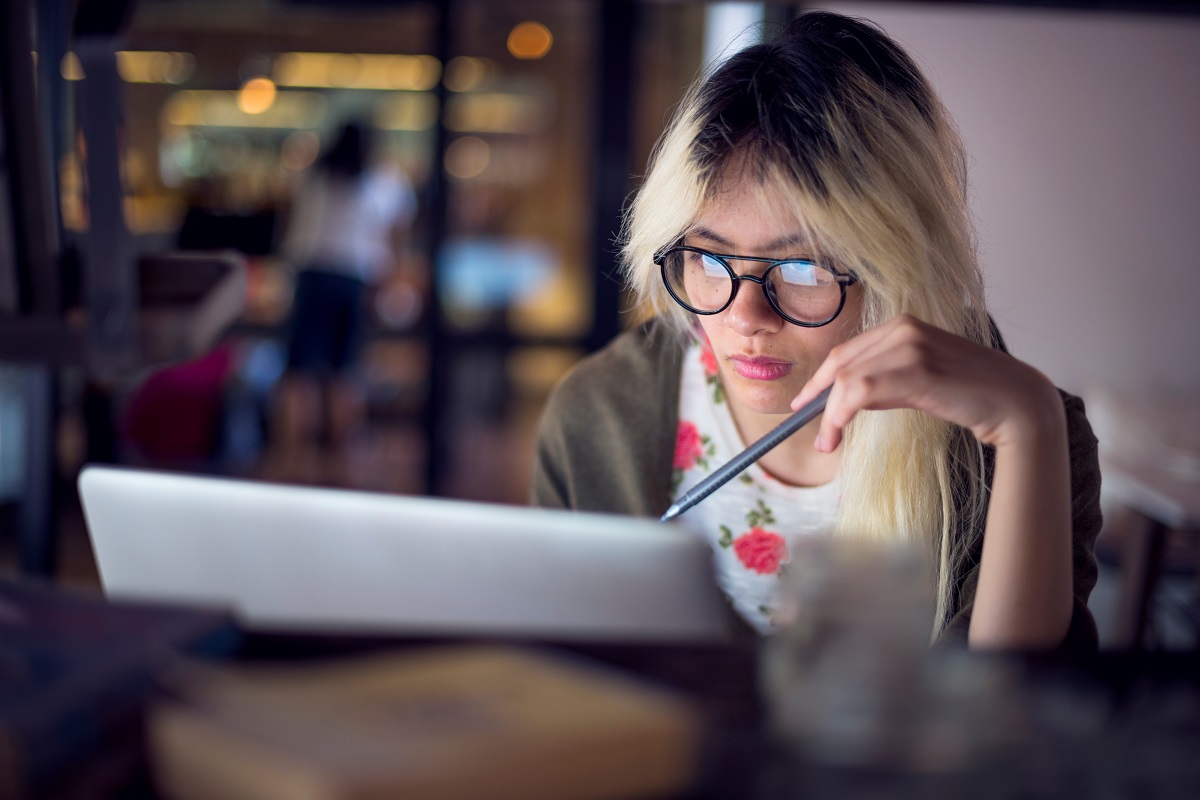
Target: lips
pixel 760 368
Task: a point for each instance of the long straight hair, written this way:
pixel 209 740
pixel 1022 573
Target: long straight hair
pixel 838 127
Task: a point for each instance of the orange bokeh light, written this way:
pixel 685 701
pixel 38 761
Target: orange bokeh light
pixel 530 40
pixel 257 95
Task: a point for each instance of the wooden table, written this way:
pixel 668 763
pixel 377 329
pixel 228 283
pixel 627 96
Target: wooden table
pixel 1164 500
pixel 1109 725
pixel 1114 725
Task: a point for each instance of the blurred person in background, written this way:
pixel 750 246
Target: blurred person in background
pixel 805 224
pixel 346 230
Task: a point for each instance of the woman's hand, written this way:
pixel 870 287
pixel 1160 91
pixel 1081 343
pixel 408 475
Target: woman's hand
pixel 1023 595
pixel 906 363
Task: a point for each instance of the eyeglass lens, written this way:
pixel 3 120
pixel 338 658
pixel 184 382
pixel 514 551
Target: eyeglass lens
pixel 801 290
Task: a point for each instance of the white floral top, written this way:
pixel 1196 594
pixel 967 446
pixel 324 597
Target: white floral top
pixel 750 519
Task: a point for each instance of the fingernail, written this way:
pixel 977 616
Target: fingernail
pixel 819 444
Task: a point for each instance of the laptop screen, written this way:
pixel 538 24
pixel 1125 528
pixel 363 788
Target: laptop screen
pixel 301 558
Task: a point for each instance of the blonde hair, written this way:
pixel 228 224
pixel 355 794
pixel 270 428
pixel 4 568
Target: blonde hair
pixel 836 123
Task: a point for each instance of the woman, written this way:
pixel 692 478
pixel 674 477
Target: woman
pixel 345 233
pixel 804 224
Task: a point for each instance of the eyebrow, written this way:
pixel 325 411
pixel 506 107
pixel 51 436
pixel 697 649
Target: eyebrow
pixel 778 244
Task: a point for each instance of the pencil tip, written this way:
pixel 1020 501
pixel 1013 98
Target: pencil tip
pixel 671 514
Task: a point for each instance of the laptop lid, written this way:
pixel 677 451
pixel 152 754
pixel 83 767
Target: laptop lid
pixel 301 558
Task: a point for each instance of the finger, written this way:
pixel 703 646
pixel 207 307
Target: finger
pixel 887 380
pixel 845 401
pixel 829 431
pixel 844 355
pixel 838 358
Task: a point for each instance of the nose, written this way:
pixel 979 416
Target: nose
pixel 750 314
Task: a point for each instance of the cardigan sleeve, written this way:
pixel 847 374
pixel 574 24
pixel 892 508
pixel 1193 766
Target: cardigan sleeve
pixel 606 438
pixel 1085 526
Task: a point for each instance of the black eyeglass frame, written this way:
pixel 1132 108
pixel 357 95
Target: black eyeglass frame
pixel 843 280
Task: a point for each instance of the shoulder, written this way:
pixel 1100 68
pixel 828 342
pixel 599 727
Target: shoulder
pixel 637 361
pixel 606 435
pixel 633 382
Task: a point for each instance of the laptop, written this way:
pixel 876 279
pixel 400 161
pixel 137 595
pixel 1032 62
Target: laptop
pixel 290 558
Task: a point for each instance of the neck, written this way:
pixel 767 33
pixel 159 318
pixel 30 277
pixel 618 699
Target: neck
pixel 793 461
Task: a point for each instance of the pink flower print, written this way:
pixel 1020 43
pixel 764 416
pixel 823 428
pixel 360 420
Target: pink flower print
pixel 761 551
pixel 688 446
pixel 709 360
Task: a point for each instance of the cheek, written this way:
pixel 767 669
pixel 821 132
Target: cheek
pixel 709 327
pixel 812 345
pixel 844 328
pixel 848 323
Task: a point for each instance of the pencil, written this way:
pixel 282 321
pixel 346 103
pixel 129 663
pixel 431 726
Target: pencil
pixel 753 453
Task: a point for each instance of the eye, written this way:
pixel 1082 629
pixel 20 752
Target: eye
pixel 713 267
pixel 803 273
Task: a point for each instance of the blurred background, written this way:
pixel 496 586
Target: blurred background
pixel 157 155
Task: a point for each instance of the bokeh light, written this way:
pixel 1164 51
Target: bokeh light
pixel 530 40
pixel 299 150
pixel 256 95
pixel 467 74
pixel 468 157
pixel 70 68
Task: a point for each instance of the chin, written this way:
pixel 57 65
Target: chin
pixel 764 399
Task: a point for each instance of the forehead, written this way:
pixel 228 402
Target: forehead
pixel 747 214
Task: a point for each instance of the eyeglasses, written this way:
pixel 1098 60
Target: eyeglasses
pixel 803 292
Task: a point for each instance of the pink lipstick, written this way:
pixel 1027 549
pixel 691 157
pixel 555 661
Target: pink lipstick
pixel 760 368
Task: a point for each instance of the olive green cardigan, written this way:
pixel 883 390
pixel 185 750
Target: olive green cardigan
pixel 606 442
